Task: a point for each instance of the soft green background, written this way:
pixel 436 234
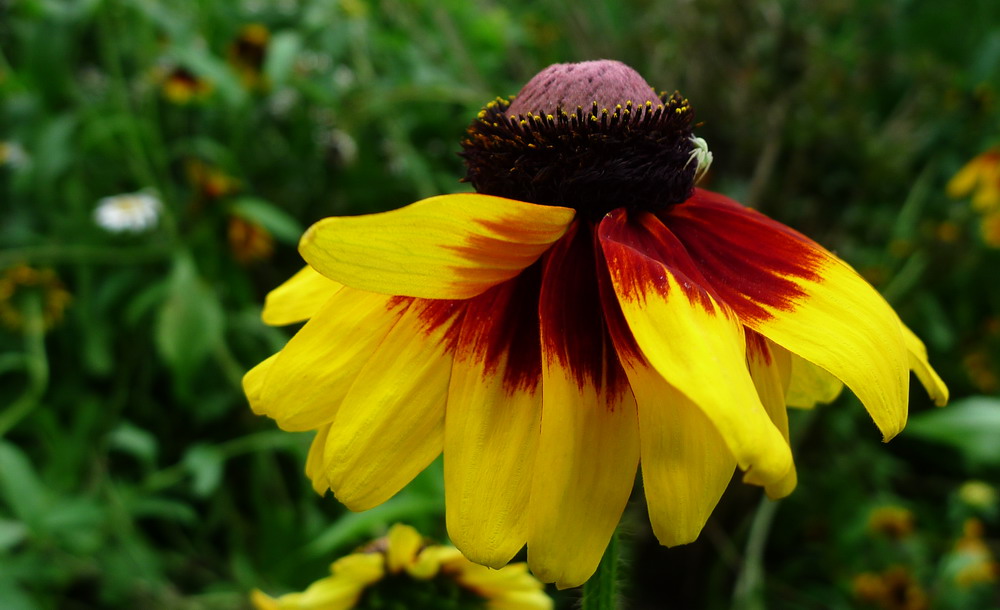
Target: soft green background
pixel 132 474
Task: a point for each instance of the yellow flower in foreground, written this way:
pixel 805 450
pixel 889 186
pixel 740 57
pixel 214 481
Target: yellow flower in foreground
pixel 389 573
pixel 586 310
pixel 22 282
pixel 981 177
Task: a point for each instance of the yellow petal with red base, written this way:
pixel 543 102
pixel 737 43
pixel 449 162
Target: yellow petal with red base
pixel 491 437
pixel 587 457
pixel 693 342
pixel 686 464
pixel 390 425
pixel 298 298
pixel 917 354
pixel 447 247
pixel 308 379
pixel 769 369
pixel 800 296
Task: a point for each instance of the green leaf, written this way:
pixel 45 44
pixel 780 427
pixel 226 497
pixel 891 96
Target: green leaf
pixel 205 463
pixel 134 441
pixel 191 320
pixel 13 597
pixel 970 426
pixel 11 533
pixel 281 54
pixel 279 223
pixel 19 485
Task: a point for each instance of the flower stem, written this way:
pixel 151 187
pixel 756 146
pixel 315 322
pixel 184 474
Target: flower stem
pixel 601 591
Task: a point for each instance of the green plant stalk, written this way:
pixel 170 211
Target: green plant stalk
pixel 601 591
pixel 36 364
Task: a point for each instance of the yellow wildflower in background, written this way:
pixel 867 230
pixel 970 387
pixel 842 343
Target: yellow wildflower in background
pixel 587 309
pixel 891 521
pixel 893 589
pixel 976 563
pixel 210 181
pixel 981 177
pixel 22 282
pixel 248 240
pixel 248 52
pixel 989 228
pixel 182 86
pixel 390 571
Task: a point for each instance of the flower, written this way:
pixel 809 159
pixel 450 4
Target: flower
pixel 248 240
pixel 893 589
pixel 980 176
pixel 989 228
pixel 586 310
pixel 974 561
pixel 248 52
pixel 210 181
pixel 128 213
pixel 182 86
pixel 891 521
pixel 20 283
pixel 375 572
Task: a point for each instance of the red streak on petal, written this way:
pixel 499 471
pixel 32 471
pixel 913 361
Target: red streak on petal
pixel 752 262
pixel 574 330
pixel 641 251
pixel 497 326
pixel 757 346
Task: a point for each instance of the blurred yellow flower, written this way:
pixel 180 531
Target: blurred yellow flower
pixel 181 86
pixel 389 572
pixel 977 563
pixel 981 177
pixel 978 494
pixel 989 228
pixel 893 521
pixel 21 282
pixel 892 589
pixel 249 241
pixel 210 181
pixel 248 52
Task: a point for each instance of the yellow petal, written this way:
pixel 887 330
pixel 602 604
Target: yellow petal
pixel 587 456
pixel 491 436
pixel 800 296
pixel 404 543
pixel 253 384
pixel 309 378
pixel 430 560
pixel 314 461
pixel 693 342
pixel 390 425
pixel 685 462
pixel 362 569
pixel 917 354
pixel 809 384
pixel 965 180
pixel 511 587
pixel 447 247
pixel 767 375
pixel 299 298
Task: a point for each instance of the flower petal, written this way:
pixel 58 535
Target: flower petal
pixel 791 290
pixel 314 460
pixel 917 354
pixel 308 379
pixel 492 424
pixel 447 247
pixel 588 450
pixel 808 384
pixel 390 425
pixel 686 464
pixel 770 377
pixel 694 342
pixel 404 543
pixel 299 298
pixel 490 442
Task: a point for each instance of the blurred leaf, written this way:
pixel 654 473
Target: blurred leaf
pixel 971 426
pixel 134 441
pixel 19 485
pixel 279 223
pixel 13 597
pixel 11 533
pixel 217 72
pixel 162 508
pixel 55 147
pixel 205 463
pixel 281 54
pixel 191 320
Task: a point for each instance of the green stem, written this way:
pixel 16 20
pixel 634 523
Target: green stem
pixel 36 364
pixel 601 591
pixel 749 593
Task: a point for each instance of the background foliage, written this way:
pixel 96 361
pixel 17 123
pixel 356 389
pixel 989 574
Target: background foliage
pixel 132 473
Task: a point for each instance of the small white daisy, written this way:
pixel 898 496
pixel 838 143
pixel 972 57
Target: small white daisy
pixel 131 212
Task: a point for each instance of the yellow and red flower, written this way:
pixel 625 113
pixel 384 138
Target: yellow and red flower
pixel 981 178
pixel 248 52
pixel 586 311
pixel 182 86
pixel 249 241
pixel 403 554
